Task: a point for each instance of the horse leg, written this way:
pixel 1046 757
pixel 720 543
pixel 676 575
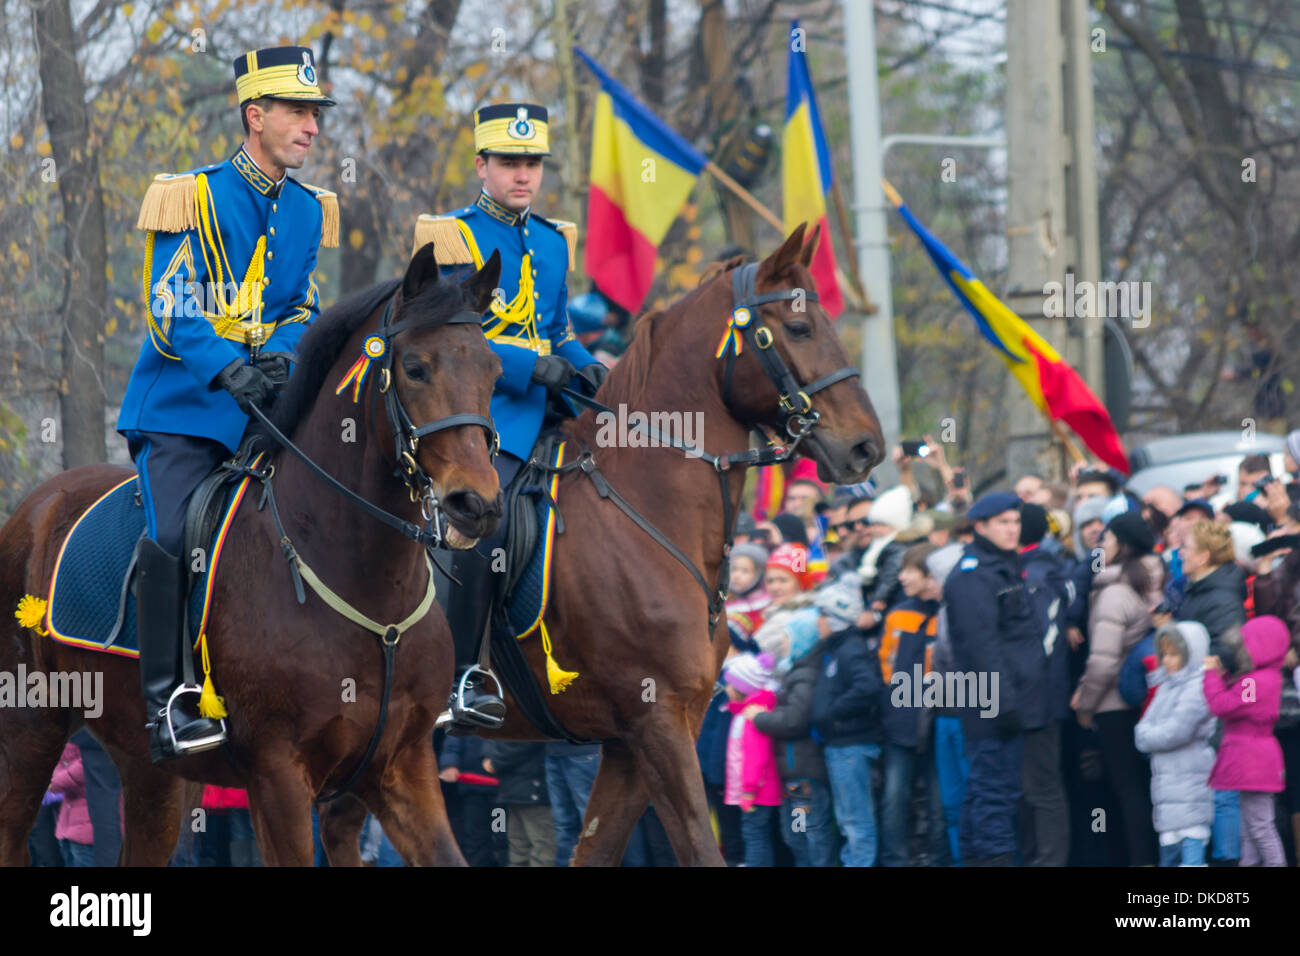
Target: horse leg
pixel 411 811
pixel 151 810
pixel 31 742
pixel 618 799
pixel 670 768
pixel 341 821
pixel 279 800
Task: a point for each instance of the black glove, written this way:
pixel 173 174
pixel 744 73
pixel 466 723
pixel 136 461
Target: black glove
pixel 247 383
pixel 275 366
pixel 593 374
pixel 553 371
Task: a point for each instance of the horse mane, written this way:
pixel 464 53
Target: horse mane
pixel 628 378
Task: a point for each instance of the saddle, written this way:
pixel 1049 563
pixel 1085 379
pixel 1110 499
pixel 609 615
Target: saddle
pixel 523 500
pixel 92 601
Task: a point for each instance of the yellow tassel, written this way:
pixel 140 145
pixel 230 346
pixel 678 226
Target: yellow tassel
pixel 449 246
pixel 329 224
pixel 168 205
pixel 30 613
pixel 210 705
pixel 569 230
pixel 558 678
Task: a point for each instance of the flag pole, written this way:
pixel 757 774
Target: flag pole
pixel 842 214
pixel 859 302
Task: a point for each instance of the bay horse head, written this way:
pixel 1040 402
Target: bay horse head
pixel 785 370
pixel 442 371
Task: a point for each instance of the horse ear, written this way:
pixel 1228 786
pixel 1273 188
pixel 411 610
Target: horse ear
pixel 479 287
pixel 422 270
pixel 786 256
pixel 716 269
pixel 810 247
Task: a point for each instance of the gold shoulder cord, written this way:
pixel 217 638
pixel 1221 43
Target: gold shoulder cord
pixel 248 300
pixel 521 310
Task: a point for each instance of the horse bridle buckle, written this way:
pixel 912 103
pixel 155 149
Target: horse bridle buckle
pixel 763 337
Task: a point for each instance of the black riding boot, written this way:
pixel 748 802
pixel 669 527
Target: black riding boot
pixel 159 606
pixel 475 699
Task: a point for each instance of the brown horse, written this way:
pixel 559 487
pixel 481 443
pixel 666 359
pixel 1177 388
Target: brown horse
pixel 302 684
pixel 624 613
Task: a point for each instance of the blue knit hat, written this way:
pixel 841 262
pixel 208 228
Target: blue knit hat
pixel 802 629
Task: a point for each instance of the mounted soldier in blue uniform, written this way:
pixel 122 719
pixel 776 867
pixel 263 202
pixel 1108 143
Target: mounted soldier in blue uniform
pixel 229 254
pixel 528 328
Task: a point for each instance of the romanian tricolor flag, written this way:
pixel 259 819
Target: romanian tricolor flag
pixel 1053 385
pixel 641 174
pixel 806 171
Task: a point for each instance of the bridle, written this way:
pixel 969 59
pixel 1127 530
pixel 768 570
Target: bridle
pixel 406 435
pixel 798 418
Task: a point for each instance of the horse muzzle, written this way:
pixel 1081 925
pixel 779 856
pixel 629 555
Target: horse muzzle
pixel 470 517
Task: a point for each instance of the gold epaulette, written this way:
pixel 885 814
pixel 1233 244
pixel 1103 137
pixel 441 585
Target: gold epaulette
pixel 168 206
pixel 329 207
pixel 569 230
pixel 449 246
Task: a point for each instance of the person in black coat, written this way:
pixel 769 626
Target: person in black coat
pixel 1047 824
pixel 1216 588
pixel 520 768
pixel 845 716
pixel 711 748
pixel 996 642
pixel 807 824
pixel 460 767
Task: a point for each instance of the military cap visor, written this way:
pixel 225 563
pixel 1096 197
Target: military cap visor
pixel 512 129
pixel 281 73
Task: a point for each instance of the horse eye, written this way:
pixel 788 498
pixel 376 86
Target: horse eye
pixel 415 370
pixel 800 330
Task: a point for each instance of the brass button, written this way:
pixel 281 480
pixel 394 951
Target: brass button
pixel 270 255
pixel 266 280
pixel 273 230
pixel 274 206
pixel 525 232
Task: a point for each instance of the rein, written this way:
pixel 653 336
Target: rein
pixel 798 419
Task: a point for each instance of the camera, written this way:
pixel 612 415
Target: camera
pixel 914 448
pixel 1262 483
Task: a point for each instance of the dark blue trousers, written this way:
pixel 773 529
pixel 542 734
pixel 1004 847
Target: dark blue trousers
pixel 171 467
pixel 993 789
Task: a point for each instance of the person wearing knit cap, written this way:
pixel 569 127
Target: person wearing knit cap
pixel 1051 592
pixel 994 632
pixel 1133 531
pixel 950 764
pixel 746 599
pixel 845 715
pixel 1250 513
pixel 1291 461
pixel 798 757
pixel 890 515
pixel 1127 586
pixel 753 783
pixel 786 582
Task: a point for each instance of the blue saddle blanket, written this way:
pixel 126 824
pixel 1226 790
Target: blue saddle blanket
pixel 92 602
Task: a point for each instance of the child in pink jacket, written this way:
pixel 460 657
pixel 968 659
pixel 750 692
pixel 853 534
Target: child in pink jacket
pixel 73 830
pixel 1250 759
pixel 753 782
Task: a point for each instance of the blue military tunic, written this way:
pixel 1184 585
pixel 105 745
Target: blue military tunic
pixel 530 318
pixel 225 282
